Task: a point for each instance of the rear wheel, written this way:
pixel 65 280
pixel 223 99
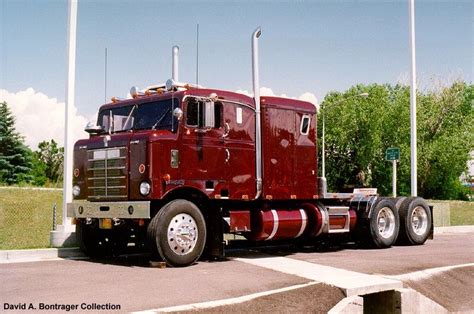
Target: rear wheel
pixel 384 224
pixel 415 221
pixel 178 233
pixel 398 202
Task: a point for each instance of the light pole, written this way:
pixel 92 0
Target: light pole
pixel 64 234
pixel 363 95
pixel 413 153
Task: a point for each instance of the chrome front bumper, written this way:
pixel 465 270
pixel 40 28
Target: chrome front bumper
pixel 131 210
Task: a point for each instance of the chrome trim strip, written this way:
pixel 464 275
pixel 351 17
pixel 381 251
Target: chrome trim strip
pixel 113 158
pixel 275 225
pixel 304 221
pixel 238 103
pixel 109 168
pixel 100 197
pixel 102 178
pixel 108 187
pixel 107 148
pixel 220 100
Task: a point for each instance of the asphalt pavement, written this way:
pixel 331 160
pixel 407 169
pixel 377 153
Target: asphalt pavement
pixel 130 283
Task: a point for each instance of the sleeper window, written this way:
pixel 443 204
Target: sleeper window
pixel 304 128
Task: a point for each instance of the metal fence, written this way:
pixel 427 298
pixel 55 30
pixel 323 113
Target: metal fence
pixel 26 216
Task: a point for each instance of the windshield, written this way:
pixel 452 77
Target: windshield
pixel 154 115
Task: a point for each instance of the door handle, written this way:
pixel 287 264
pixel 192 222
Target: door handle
pixel 226 130
pixel 227 155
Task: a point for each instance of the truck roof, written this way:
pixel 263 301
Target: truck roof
pixel 272 101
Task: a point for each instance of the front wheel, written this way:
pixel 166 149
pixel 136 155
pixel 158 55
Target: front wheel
pixel 384 224
pixel 178 233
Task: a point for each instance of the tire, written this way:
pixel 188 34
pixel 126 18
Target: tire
pixel 98 243
pixel 397 201
pixel 177 233
pixel 384 224
pixel 415 221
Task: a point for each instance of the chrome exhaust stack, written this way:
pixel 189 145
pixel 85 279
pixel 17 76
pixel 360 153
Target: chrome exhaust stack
pixel 258 128
pixel 174 70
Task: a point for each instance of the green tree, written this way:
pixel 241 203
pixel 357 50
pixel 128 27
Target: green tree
pixel 52 158
pixel 38 170
pixel 446 137
pixel 358 131
pixel 15 156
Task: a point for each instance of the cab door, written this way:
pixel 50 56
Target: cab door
pixel 203 153
pixel 239 140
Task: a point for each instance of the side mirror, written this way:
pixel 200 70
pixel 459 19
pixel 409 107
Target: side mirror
pixel 92 128
pixel 209 119
pixel 178 113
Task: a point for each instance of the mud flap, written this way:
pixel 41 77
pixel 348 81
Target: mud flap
pixel 431 236
pixel 215 237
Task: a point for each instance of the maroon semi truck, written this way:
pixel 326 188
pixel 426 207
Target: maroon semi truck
pixel 177 166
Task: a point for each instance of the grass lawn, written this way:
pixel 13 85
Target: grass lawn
pixel 462 213
pixel 26 217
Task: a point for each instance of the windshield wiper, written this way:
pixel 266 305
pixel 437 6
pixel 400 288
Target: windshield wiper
pixel 161 118
pixel 129 117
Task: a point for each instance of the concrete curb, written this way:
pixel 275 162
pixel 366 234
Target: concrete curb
pixel 34 255
pixel 403 300
pixel 454 229
pixel 353 304
pixel 351 283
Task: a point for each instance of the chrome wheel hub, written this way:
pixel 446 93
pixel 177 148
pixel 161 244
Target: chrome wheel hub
pixel 386 222
pixel 182 234
pixel 419 220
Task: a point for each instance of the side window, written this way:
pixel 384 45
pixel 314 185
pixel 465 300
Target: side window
pixel 218 114
pixel 194 113
pixel 305 123
pixel 197 111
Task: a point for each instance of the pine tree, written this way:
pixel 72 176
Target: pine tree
pixel 15 156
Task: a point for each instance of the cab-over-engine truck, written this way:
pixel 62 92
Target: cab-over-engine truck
pixel 177 166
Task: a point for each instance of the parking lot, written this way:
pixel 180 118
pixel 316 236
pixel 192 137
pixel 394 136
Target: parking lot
pixel 132 284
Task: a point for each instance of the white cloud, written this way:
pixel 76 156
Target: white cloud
pixel 266 91
pixel 40 118
pixel 310 97
pixel 245 92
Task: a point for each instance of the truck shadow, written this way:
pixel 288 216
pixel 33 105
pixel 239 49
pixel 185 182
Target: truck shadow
pixel 134 257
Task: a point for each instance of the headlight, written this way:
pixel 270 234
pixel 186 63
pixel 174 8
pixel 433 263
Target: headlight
pixel 76 190
pixel 145 188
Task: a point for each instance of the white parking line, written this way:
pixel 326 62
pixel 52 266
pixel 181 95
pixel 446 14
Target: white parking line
pixel 427 273
pixel 230 301
pixel 350 282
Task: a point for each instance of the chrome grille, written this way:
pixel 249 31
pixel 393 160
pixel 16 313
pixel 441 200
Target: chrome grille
pixel 107 173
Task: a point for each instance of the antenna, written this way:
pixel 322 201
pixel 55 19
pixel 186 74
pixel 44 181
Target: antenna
pixel 197 55
pixel 105 78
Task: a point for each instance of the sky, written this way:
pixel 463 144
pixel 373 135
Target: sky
pixel 307 49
